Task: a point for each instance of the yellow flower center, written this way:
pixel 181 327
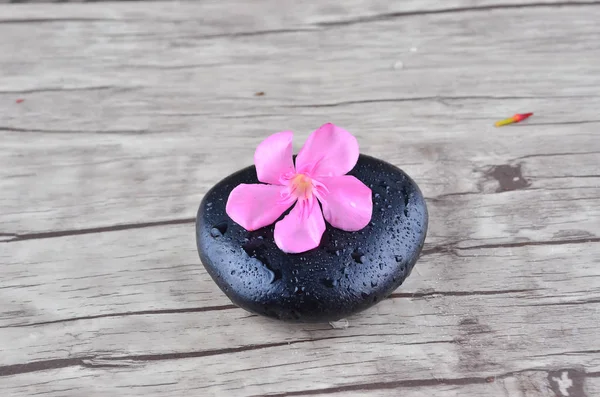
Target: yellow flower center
pixel 302 186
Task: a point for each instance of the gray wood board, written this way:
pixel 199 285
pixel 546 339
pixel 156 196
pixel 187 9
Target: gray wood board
pixel 130 112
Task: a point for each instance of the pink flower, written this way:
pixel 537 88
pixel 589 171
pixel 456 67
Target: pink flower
pixel 328 154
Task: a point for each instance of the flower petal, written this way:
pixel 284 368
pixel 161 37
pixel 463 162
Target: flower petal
pixel 301 230
pixel 273 157
pixel 255 206
pixel 348 204
pixel 329 151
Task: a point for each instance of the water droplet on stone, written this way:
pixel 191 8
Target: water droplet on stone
pixel 340 324
pixel 358 257
pixel 218 230
pixel 327 282
pixel 255 250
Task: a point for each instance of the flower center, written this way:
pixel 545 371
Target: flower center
pixel 302 186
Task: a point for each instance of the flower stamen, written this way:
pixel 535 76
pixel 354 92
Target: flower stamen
pixel 302 186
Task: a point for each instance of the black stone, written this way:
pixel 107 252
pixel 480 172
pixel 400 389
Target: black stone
pixel 347 273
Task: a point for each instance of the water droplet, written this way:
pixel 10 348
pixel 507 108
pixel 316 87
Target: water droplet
pixel 298 290
pixel 327 282
pixel 254 249
pixel 233 272
pixel 219 229
pixel 358 257
pixel 399 258
pixel 340 324
pixel 373 284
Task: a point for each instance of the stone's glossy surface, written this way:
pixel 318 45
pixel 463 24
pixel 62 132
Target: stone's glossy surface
pixel 347 273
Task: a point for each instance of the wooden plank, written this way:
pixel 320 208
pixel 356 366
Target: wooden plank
pixel 334 360
pixel 221 16
pixel 174 378
pixel 158 268
pixel 132 111
pixel 93 186
pixel 140 276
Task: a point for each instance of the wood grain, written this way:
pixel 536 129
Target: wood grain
pixel 131 111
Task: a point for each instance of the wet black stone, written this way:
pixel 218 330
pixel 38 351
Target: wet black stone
pixel 347 273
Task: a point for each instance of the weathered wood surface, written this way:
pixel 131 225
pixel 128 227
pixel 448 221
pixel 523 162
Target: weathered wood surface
pixel 132 111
